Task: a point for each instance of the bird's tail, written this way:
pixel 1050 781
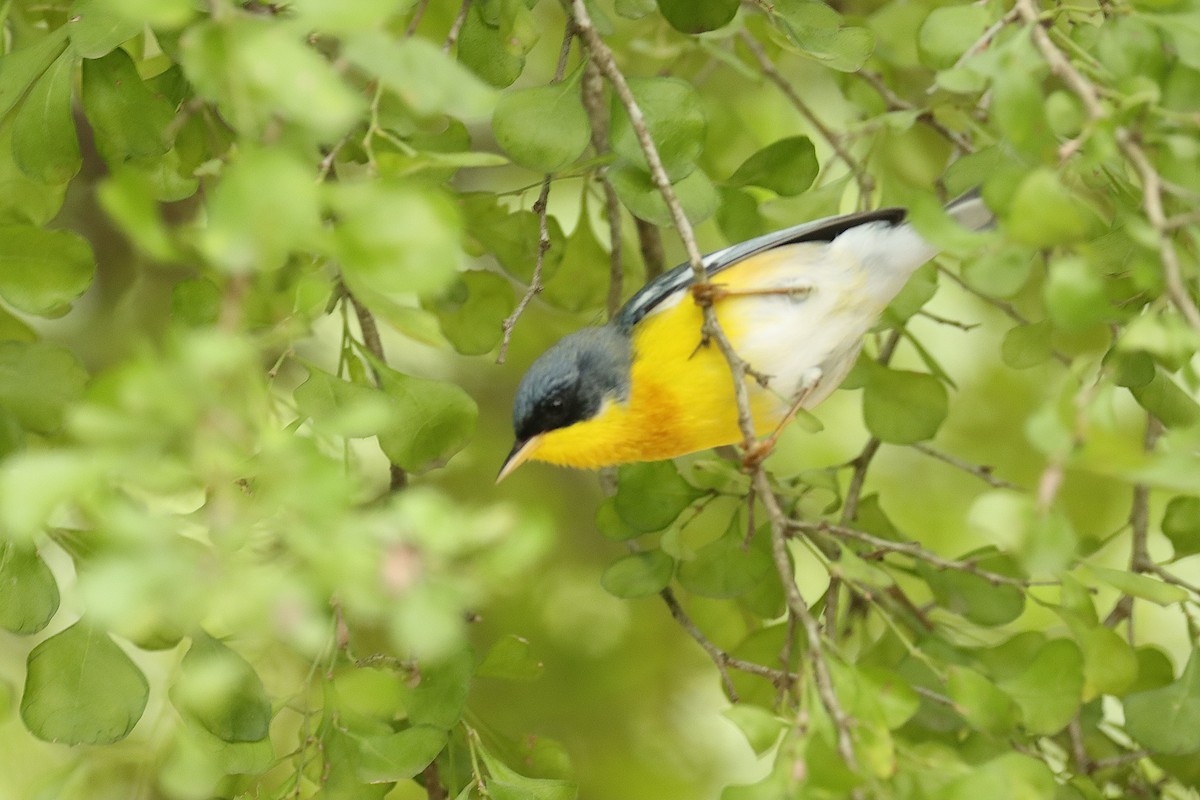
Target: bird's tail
pixel 891 253
pixel 969 211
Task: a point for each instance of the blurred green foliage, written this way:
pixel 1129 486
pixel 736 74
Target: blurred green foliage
pixel 251 255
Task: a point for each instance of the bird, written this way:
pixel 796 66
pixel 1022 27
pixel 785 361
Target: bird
pixel 795 305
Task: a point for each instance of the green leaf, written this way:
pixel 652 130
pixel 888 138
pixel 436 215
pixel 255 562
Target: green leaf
pixel 1154 669
pixel 493 45
pixel 981 703
pixel 129 121
pixel 162 15
pixel 544 128
pixel 42 272
pixel 581 280
pixel 611 526
pixel 1167 720
pixel 97 30
pixel 441 696
pixel 727 567
pixel 1140 586
pixel 1001 273
pixel 424 78
pixel 1109 663
pixel 22 200
pixel 696 194
pixel 511 658
pixel 1181 524
pixel 266 204
pixel 45 146
pixel 435 420
pixel 760 727
pixel 973 597
pixel 80 688
pixel 254 68
pixel 394 237
pixel 38 380
pixel 651 495
pixel 220 690
pixel 1026 346
pixel 399 756
pixel 344 408
pixel 1049 689
pixel 28 591
pixel 739 216
pixel 1074 295
pixel 512 237
pixel 698 16
pixel 817 30
pixel 638 574
pixel 20 68
pixel 786 167
pixel 674 117
pixel 1044 213
pixel 471 312
pixel 1174 407
pixel 903 407
pixel 948 32
pixel 195 303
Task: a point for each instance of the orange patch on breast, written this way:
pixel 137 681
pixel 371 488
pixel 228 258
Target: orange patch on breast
pixel 681 396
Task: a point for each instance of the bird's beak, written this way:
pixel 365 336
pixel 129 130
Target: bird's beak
pixel 520 454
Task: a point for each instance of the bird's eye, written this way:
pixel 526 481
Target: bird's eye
pixel 556 402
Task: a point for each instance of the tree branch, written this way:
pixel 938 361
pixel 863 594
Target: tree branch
pixel 539 207
pixel 914 550
pixel 795 602
pixel 456 26
pixel 597 111
pixel 397 477
pixel 981 471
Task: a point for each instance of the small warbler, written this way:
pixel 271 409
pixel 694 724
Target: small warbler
pixel 795 305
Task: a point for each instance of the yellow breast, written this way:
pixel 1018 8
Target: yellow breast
pixel 681 394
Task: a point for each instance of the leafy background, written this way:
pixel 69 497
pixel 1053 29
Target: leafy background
pixel 257 262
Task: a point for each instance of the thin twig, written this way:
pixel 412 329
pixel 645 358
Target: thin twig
pixel 914 550
pixel 397 477
pixel 795 602
pixel 540 208
pixel 722 659
pixel 986 37
pixel 456 27
pixel 1139 521
pixel 1083 762
pixel 1152 202
pixel 433 784
pixel 862 462
pixel 416 20
pixel 535 283
pixel 897 103
pixel 650 244
pixel 981 471
pixel 597 111
pixel 866 184
pixel 1008 309
pixel 1120 760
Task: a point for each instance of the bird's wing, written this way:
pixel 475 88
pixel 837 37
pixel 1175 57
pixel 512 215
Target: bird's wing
pixel 819 230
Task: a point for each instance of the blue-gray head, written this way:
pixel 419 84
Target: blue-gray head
pixel 568 384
